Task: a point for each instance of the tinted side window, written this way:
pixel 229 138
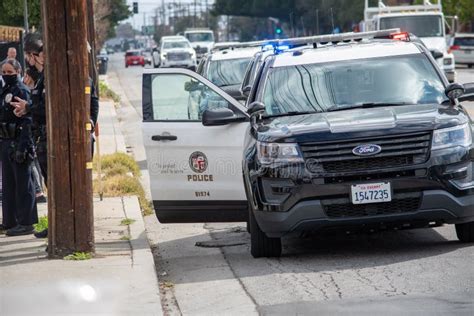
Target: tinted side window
pixel 464 41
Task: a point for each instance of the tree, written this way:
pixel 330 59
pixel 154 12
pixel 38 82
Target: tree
pixel 305 14
pixel 11 13
pixel 108 13
pixel 464 9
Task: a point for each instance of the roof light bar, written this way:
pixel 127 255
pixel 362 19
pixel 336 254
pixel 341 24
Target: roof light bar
pixel 320 39
pixel 403 36
pixel 335 38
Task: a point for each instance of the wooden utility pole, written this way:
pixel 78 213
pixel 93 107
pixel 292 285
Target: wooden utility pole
pixel 70 209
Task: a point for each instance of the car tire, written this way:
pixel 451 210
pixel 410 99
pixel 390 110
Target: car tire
pixel 260 244
pixel 126 66
pixel 465 232
pixel 470 65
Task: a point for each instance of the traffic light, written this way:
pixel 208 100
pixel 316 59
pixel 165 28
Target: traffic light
pixel 135 7
pixel 278 30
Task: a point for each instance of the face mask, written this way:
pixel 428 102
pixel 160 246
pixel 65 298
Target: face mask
pixel 10 80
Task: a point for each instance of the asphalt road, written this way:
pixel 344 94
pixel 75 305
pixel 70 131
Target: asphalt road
pixel 207 268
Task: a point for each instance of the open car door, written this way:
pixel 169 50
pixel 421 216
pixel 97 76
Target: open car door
pixel 195 170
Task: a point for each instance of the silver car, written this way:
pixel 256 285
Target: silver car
pixel 176 51
pixel 462 46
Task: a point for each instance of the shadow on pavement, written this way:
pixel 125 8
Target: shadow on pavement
pixel 324 253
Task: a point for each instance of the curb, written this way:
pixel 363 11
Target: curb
pixel 142 258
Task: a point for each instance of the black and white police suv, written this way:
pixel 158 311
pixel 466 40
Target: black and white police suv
pixel 225 66
pixel 360 133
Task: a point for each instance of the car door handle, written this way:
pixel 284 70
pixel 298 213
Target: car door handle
pixel 159 138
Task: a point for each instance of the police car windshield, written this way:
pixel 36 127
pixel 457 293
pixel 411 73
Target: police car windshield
pixel 175 44
pixel 227 72
pixel 200 37
pixel 420 25
pixel 397 80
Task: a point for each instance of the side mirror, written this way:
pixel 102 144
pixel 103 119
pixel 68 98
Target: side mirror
pixel 454 91
pixel 436 54
pixel 219 116
pixel 246 91
pixel 190 86
pixel 468 92
pixel 256 108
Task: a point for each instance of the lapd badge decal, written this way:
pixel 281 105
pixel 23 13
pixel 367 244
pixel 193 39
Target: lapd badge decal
pixel 8 98
pixel 198 162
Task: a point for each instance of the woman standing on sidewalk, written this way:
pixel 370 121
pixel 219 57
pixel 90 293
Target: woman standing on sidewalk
pixel 19 205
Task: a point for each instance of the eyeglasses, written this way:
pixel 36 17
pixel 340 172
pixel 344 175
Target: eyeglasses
pixel 31 54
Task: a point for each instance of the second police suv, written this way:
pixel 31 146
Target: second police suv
pixel 354 131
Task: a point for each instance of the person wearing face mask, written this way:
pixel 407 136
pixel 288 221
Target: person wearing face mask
pixel 35 60
pixel 17 151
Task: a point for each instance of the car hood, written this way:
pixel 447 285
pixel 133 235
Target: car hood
pixel 359 123
pixel 438 43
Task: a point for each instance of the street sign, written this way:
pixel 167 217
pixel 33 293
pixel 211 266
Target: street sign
pixel 148 29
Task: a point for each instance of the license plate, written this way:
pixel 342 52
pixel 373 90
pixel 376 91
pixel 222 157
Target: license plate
pixel 371 193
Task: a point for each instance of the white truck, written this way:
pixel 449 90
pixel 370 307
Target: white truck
pixel 426 21
pixel 202 40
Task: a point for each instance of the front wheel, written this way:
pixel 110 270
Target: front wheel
pixel 465 232
pixel 260 244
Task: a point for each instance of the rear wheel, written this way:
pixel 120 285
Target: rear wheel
pixel 470 65
pixel 260 244
pixel 465 232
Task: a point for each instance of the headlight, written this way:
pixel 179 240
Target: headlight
pixel 452 137
pixel 447 61
pixel 269 153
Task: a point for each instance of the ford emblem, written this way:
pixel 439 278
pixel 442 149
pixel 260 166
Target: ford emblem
pixel 367 150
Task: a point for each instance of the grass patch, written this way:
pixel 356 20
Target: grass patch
pixel 41 225
pixel 119 163
pixel 127 221
pixel 77 256
pixel 106 93
pixel 121 177
pixel 125 238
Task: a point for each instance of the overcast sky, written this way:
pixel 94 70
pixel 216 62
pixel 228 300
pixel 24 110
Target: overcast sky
pixel 148 7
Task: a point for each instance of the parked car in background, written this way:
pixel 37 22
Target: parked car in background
pixel 110 50
pixel 462 47
pixel 202 40
pixel 226 68
pixel 176 51
pixel 134 58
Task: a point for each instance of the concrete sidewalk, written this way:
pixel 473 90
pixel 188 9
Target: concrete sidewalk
pixel 120 279
pixel 111 138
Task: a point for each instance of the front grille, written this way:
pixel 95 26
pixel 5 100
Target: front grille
pixel 397 151
pixel 178 56
pixel 401 203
